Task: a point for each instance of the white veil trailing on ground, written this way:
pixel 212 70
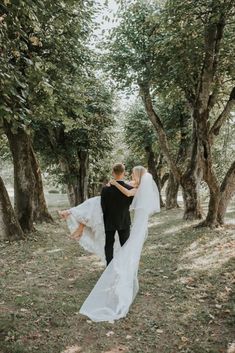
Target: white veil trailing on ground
pixel 117 287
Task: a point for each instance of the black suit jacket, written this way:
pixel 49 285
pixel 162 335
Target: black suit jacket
pixel 115 206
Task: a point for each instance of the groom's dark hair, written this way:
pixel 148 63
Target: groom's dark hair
pixel 118 168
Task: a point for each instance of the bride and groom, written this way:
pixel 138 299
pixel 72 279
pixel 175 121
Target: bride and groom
pixel 95 223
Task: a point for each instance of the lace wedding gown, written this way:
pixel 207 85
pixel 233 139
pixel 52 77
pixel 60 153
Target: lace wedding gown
pixel 118 285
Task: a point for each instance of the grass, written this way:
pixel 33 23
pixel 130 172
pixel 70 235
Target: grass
pixel 185 303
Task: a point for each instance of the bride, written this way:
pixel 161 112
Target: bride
pixel 117 287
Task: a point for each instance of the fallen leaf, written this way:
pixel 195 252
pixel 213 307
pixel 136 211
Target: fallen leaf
pixel 24 310
pixel 228 289
pixel 218 306
pixel 231 348
pixel 147 294
pixel 109 333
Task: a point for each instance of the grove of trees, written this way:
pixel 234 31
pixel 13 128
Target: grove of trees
pixel 58 102
pixel 182 50
pixel 52 104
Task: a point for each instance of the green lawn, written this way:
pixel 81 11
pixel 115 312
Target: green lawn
pixel 185 303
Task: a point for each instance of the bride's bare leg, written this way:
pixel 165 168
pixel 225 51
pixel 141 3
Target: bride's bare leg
pixel 78 232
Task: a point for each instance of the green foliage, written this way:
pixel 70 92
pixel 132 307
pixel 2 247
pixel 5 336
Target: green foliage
pixel 56 142
pixel 49 84
pixel 139 132
pixel 44 48
pixel 181 50
pixel 131 56
pixel 162 44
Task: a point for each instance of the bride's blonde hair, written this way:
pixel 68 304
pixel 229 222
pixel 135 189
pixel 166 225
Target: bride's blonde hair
pixel 138 172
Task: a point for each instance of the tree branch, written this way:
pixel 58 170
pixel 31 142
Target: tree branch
pixel 215 129
pixel 213 36
pixel 157 123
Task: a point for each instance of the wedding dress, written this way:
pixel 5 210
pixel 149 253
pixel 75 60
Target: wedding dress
pixel 118 285
pixel 90 214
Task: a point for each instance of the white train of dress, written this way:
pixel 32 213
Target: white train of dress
pixel 118 285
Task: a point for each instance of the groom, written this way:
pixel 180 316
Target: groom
pixel 115 206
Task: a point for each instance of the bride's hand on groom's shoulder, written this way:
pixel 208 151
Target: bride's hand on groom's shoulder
pixel 112 182
pixel 109 183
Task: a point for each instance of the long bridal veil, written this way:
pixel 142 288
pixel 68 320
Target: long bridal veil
pixel 118 285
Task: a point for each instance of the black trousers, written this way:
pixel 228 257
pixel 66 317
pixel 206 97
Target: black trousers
pixel 109 241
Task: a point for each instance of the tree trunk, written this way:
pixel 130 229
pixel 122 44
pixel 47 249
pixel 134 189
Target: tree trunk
pixel 157 123
pixel 173 182
pixel 202 104
pixel 164 179
pixel 172 192
pixel 190 183
pixel 83 176
pixel 76 176
pixel 208 172
pixel 153 170
pixel 213 184
pixel 24 180
pixel 211 218
pixel 72 193
pixel 192 205
pixel 70 170
pixel 227 190
pixel 9 226
pixel 40 210
pixel 191 196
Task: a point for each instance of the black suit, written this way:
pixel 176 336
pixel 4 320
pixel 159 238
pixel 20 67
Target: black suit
pixel 115 206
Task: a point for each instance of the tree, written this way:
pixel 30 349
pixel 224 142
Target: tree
pixel 9 225
pixel 33 56
pixel 77 141
pixel 145 49
pixel 141 141
pixel 205 76
pixel 17 26
pixel 132 60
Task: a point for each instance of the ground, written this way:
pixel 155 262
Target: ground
pixel 185 303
